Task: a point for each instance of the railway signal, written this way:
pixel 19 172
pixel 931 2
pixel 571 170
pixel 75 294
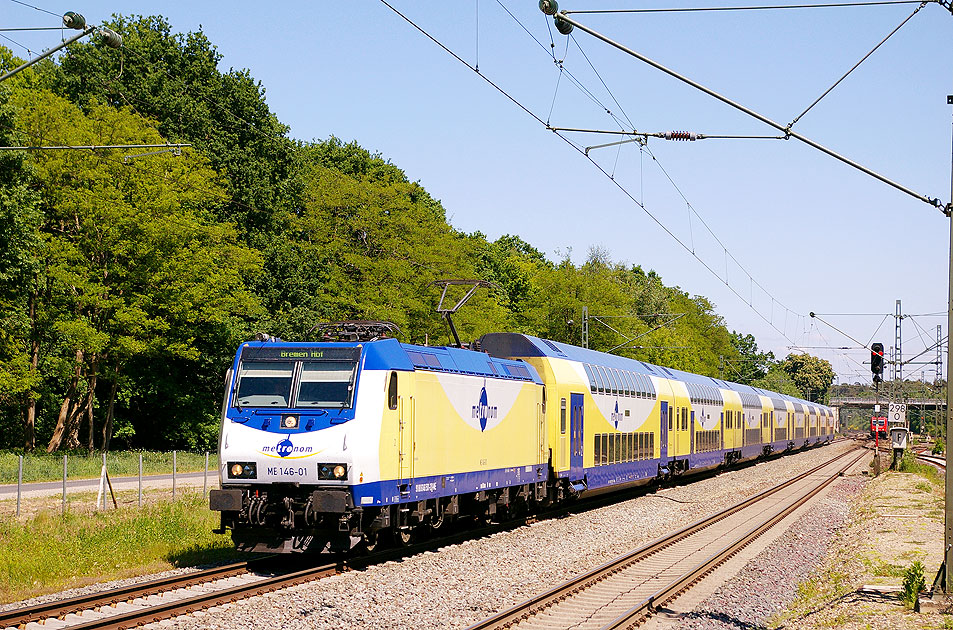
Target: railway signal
pixel 877 361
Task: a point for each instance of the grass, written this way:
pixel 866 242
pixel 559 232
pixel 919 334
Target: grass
pixel 909 464
pixel 913 582
pixel 50 552
pixel 49 466
pixel 884 569
pixel 817 591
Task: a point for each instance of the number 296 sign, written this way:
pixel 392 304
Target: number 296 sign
pixel 897 413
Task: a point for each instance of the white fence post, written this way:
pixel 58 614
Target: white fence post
pixel 140 479
pixel 173 474
pixel 101 497
pixel 20 482
pixel 64 483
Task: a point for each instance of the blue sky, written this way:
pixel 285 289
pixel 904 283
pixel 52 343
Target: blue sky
pixel 814 233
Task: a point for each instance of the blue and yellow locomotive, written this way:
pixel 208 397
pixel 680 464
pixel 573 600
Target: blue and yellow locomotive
pixel 329 445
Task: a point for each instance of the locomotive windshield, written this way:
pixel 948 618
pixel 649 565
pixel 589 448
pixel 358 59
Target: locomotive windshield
pixel 296 378
pixel 265 384
pixel 325 384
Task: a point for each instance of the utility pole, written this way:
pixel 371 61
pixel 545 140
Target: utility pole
pixel 585 326
pixel 939 351
pixel 947 578
pixel 898 345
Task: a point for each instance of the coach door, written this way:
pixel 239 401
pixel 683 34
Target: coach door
pixel 691 433
pixel 663 440
pixel 575 436
pixel 405 442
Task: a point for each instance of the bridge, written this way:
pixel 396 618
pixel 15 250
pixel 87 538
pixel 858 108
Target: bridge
pixel 864 401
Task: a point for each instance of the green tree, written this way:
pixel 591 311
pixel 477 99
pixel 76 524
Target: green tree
pixel 811 375
pixel 777 380
pixel 366 243
pixel 138 272
pixel 20 219
pixel 514 265
pixel 751 364
pixel 173 78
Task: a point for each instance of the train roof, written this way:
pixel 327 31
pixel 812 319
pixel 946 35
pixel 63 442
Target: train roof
pixel 520 345
pixel 390 354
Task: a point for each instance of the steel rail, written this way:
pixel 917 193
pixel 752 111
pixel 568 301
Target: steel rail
pixel 576 584
pixel 188 605
pixel 930 459
pixel 63 607
pixel 58 609
pixel 637 614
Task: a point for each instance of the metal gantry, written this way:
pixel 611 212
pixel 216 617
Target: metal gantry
pixel 898 345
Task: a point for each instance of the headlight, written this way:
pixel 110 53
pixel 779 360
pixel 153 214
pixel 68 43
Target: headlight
pixel 289 422
pixel 332 472
pixel 242 470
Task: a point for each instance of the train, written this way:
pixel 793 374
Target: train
pixel 878 426
pixel 335 445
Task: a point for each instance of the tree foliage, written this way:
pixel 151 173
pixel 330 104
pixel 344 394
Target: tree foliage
pixel 811 375
pixel 126 283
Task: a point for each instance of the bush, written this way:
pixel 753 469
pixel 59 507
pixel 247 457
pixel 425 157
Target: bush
pixel 913 583
pixel 938 447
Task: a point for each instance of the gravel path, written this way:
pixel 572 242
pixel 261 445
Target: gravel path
pixel 461 584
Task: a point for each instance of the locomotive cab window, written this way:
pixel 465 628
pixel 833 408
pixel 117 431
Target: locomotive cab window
pixel 326 384
pixel 562 415
pixel 265 384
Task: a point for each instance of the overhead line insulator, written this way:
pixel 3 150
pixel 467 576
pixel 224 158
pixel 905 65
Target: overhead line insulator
pixel 681 135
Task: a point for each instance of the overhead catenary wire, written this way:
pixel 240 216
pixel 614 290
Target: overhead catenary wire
pixel 95 147
pixel 765 7
pixel 666 135
pixel 33 7
pixel 31 28
pixel 788 134
pixel 625 191
pixel 832 326
pixel 856 65
pixel 106 157
pixel 669 136
pixel 932 201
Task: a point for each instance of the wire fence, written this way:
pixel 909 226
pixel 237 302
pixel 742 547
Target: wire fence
pixel 107 475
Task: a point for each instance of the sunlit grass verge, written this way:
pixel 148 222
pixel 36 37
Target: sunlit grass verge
pixel 50 552
pixel 81 465
pixel 909 464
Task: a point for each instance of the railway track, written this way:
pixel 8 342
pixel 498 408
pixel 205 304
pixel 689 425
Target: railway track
pixel 940 462
pixel 146 602
pixel 155 600
pixel 624 592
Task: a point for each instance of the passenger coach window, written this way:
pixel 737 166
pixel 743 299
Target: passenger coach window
pixel 600 386
pixel 392 391
pixel 592 379
pixel 264 384
pixel 562 415
pixel 326 384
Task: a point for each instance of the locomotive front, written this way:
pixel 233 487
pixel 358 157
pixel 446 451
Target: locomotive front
pixel 284 461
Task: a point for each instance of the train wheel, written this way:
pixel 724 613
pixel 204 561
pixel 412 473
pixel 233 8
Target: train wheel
pixel 371 542
pixel 403 537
